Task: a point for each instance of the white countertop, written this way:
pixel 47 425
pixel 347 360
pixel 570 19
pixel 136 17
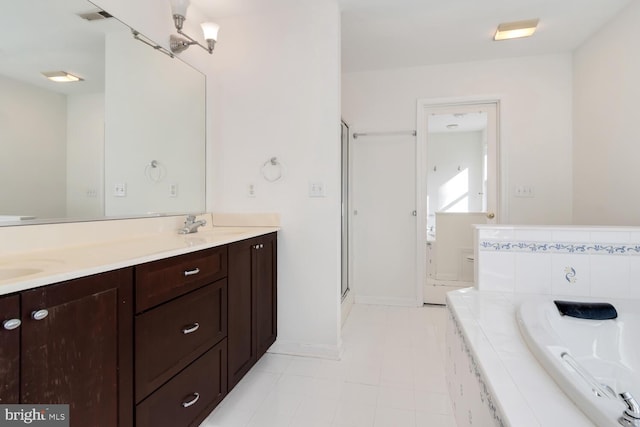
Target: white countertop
pixel 45 267
pixel 526 394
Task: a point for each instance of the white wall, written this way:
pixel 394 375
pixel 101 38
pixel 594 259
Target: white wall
pixel 606 118
pixel 273 89
pixel 535 122
pixel 33 133
pixel 147 119
pixel 276 93
pixel 454 155
pixel 535 119
pixel 85 155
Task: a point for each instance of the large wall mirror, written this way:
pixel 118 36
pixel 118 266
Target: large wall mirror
pixel 126 140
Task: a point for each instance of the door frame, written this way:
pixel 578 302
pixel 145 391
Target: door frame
pixel 423 106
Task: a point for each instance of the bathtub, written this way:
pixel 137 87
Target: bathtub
pixel 592 361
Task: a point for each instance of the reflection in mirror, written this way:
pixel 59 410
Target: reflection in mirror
pixel 126 140
pixel 457 164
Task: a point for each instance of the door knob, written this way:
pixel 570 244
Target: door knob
pixel 491 215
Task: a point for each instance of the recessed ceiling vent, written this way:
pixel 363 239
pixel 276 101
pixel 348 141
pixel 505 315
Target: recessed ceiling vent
pixel 95 15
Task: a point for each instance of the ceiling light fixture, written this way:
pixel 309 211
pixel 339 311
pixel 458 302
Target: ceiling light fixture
pixel 514 30
pixel 61 76
pixel 179 44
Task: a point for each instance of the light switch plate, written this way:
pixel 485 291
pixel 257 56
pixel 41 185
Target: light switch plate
pixel 316 189
pixel 120 190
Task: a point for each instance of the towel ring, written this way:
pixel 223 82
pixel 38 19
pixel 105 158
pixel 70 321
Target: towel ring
pixel 154 171
pixel 271 170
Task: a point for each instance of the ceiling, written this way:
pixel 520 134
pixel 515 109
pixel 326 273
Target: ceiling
pixel 379 34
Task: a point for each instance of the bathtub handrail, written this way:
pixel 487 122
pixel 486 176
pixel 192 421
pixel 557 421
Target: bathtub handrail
pixel 631 415
pixel 596 387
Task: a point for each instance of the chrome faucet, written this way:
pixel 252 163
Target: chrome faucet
pixel 191 225
pixel 631 415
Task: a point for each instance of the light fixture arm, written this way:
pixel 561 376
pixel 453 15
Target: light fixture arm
pixel 178 44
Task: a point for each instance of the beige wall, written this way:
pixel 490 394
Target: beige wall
pixel 33 125
pixel 606 115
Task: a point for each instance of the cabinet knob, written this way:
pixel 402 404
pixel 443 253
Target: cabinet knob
pixel 191 272
pixel 11 324
pixel 191 402
pixel 40 314
pixel 191 328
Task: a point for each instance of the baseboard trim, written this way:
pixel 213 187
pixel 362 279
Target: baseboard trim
pixel 294 348
pixel 398 302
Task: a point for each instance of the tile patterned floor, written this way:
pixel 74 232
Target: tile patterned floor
pixel 391 375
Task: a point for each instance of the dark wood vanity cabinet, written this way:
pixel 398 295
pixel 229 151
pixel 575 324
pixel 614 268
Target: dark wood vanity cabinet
pixel 252 303
pixel 158 344
pixel 180 338
pixel 75 348
pixel 9 349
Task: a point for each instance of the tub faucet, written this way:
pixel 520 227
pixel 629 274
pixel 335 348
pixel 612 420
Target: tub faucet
pixel 191 225
pixel 631 416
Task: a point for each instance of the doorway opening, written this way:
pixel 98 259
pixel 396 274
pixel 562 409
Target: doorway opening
pixel 457 186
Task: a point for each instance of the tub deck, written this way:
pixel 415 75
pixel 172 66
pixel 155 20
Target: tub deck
pixel 514 389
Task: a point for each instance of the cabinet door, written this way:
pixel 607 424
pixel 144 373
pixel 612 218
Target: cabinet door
pixel 9 350
pixel 241 321
pixel 81 352
pixel 264 269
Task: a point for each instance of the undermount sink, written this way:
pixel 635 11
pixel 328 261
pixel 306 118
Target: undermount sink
pixel 13 273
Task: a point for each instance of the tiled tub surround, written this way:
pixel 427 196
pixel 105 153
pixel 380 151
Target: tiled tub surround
pixel 576 261
pixel 59 252
pixel 493 377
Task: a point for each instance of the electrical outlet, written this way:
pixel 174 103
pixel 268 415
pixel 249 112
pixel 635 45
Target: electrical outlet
pixel 120 190
pixel 173 190
pixel 251 190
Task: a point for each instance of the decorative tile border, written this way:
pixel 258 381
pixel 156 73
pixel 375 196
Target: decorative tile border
pixel 564 248
pixel 485 394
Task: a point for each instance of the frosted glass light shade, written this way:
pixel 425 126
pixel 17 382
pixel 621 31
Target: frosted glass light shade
pixel 179 7
pixel 210 30
pixel 514 30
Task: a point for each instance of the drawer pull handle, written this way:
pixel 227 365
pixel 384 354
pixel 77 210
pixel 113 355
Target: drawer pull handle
pixel 39 315
pixel 11 324
pixel 191 328
pixel 192 402
pixel 191 272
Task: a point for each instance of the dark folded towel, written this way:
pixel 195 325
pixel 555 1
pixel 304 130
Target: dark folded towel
pixel 587 310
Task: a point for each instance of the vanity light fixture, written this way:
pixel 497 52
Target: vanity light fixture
pixel 514 30
pixel 61 76
pixel 178 44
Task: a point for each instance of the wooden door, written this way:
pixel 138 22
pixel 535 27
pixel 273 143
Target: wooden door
pixel 9 350
pixel 241 321
pixel 80 353
pixel 263 266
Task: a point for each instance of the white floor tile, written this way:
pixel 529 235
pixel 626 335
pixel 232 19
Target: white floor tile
pixel 397 398
pixel 391 375
pixel 387 417
pixel 354 414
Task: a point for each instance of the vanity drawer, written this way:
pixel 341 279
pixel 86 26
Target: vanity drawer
pixel 171 336
pixel 160 281
pixel 200 387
